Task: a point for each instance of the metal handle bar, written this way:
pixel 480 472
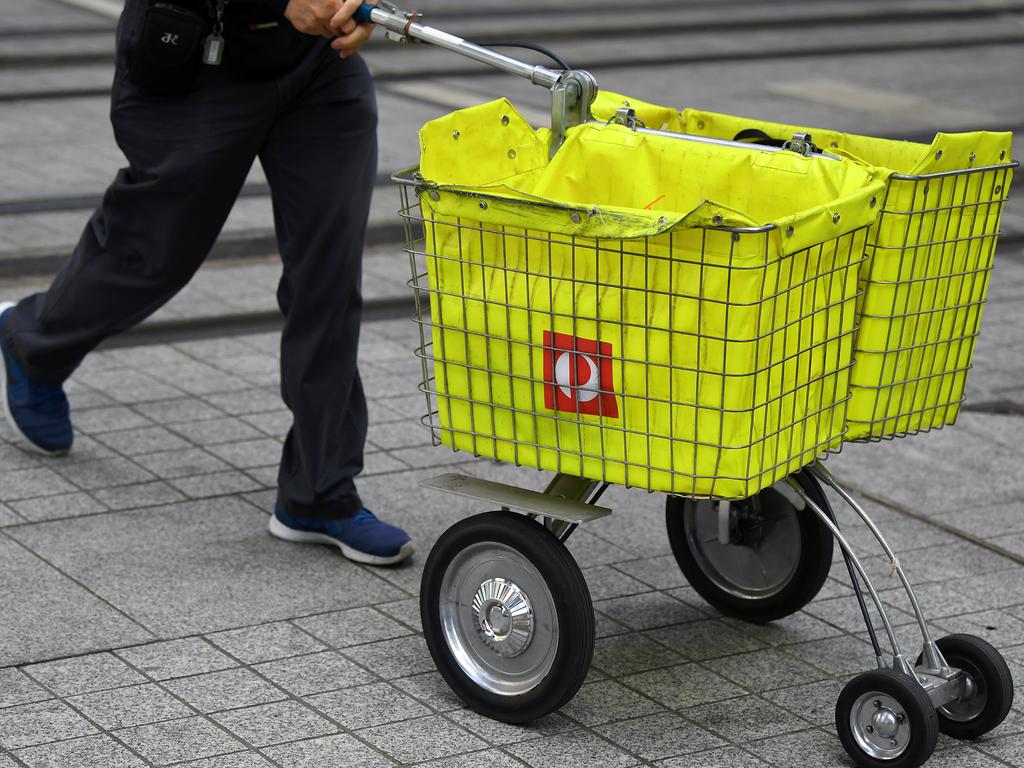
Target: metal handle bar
pixel 408 27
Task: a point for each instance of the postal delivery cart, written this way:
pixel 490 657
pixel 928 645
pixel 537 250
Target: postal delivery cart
pixel 621 304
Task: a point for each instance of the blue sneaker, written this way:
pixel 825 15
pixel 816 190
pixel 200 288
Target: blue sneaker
pixel 38 412
pixel 362 537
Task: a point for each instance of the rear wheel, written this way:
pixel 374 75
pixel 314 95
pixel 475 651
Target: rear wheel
pixel 776 560
pixel 507 616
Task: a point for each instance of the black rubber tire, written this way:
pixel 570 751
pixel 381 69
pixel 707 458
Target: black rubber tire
pixel 991 674
pixel 816 547
pixel 923 722
pixel 573 607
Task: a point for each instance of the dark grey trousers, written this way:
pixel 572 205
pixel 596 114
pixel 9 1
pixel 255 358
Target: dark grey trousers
pixel 314 130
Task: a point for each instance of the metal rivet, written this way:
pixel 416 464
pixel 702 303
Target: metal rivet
pixel 576 218
pixel 456 135
pixel 735 237
pixel 835 145
pixel 972 157
pixel 892 742
pixel 483 205
pixel 511 154
pixel 835 218
pixel 869 729
pixel 700 124
pixel 662 220
pixel 900 717
pixel 505 120
pixel 1002 155
pixel 874 201
pixel 877 704
pixel 717 219
pixel 999 188
pixel 938 155
pixel 926 188
pixel 790 231
pixel 435 195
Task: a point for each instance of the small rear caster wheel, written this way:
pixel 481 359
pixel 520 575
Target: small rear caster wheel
pixel 989 687
pixel 507 616
pixel 885 718
pixel 775 563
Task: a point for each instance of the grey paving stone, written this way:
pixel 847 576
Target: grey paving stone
pixel 432 690
pixel 30 724
pixel 607 701
pixel 273 423
pixel 275 723
pixel 366 706
pixel 421 739
pixel 503 734
pixel 656 737
pixel 649 610
pixel 124 707
pixel 1009 748
pixel 95 421
pixel 103 473
pixel 267 642
pixel 745 719
pixel 8 517
pixel 704 639
pixel 213 431
pixel 998 627
pixel 491 758
pixel 11 455
pixel 798 628
pixel 176 658
pixel 626 654
pixel 391 659
pixel 765 670
pixel 215 484
pixel 28 483
pixel 724 757
pixel 174 741
pixel 246 401
pixel 74 621
pixel 229 689
pixel 840 656
pixel 76 753
pixel 315 673
pixel 815 702
pixel 182 463
pixel 17 688
pixel 355 626
pixel 84 674
pixel 56 507
pixel 173 564
pixel 138 496
pixel 234 760
pixel 133 442
pixel 340 749
pixel 248 453
pixel 658 572
pixel 127 386
pixel 178 410
pixel 605 582
pixel 684 686
pixel 571 749
pixel 817 747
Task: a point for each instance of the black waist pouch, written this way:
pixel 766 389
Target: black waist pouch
pixel 167 55
pixel 261 43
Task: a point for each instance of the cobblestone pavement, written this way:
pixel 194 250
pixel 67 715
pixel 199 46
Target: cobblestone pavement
pixel 148 618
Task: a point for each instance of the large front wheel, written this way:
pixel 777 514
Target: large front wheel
pixel 776 558
pixel 507 616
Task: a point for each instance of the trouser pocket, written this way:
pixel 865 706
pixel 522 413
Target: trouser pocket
pixel 167 55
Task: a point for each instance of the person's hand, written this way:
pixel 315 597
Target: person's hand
pixel 349 36
pixel 313 17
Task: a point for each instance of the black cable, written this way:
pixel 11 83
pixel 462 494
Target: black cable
pixel 531 47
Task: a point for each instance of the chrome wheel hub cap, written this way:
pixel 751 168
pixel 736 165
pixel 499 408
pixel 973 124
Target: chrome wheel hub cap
pixel 505 617
pixel 880 726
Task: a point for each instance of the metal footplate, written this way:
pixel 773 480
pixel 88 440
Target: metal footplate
pixel 945 687
pixel 545 505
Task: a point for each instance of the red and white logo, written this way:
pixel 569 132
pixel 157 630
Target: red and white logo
pixel 578 376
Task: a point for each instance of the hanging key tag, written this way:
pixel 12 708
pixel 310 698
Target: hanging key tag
pixel 213 50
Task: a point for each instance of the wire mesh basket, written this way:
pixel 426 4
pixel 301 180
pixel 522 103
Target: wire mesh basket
pixel 704 362
pixel 931 253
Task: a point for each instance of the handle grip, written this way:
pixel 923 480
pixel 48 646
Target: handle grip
pixel 365 14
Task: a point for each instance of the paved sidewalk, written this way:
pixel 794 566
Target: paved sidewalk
pixel 148 619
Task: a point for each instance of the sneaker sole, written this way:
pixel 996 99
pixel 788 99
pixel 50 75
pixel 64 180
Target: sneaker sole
pixel 281 531
pixel 7 407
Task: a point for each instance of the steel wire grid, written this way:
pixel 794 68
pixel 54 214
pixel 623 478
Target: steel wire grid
pixel 931 255
pixel 681 386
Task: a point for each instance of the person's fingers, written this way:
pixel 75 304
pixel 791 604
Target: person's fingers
pixel 345 12
pixel 348 44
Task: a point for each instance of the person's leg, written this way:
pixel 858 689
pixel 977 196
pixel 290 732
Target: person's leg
pixel 188 158
pixel 321 162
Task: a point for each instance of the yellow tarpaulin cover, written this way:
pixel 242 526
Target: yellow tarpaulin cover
pixel 931 254
pixel 594 314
